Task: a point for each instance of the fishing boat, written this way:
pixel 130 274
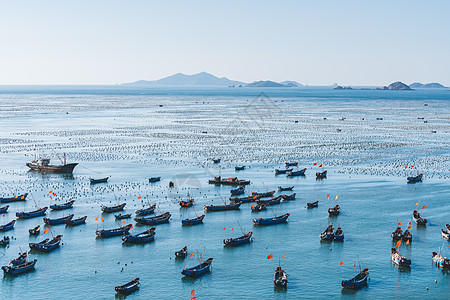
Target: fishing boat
pixel 121 217
pixel 46 245
pixel 296 173
pixel 339 235
pixel 146 211
pixel 246 199
pixel 58 221
pixel 62 206
pixel 271 221
pixel 407 236
pixel 8 226
pixel 446 232
pixel 5 241
pixel 229 181
pixel 181 253
pixel 291 164
pixel 43 165
pixel 357 282
pixel 187 203
pixel 399 260
pixel 128 288
pixel 239 168
pixel 31 214
pixel 280 277
pixel 195 221
pixel 440 261
pixel 334 211
pixel 35 231
pixel 289 188
pixel 198 270
pixel 14 199
pixel 164 218
pixel 273 201
pixel 328 234
pixel 288 197
pixel 101 180
pixel 154 179
pixel 397 234
pixel 75 222
pixel 20 260
pixel 415 179
pixel 4 209
pixel 141 238
pixel 281 171
pixel 105 233
pixel 263 195
pixel 321 175
pixel 231 206
pixel 110 209
pixel 259 207
pixel 216 160
pixel 246 238
pixel 239 191
pixel 312 204
pixel 418 219
pixel 19 269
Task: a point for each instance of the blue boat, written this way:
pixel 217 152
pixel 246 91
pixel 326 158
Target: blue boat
pixel 280 171
pixel 246 238
pixel 271 221
pixel 244 199
pixel 5 241
pixel 20 269
pixel 356 282
pixel 239 191
pixel 187 203
pixel 14 199
pixel 31 214
pixel 121 217
pixel 146 211
pixel 339 235
pixel 231 206
pixel 164 218
pixel 101 180
pixel 334 211
pixel 58 221
pixel 273 201
pixel 259 207
pixel 4 209
pixel 418 219
pixel 415 179
pixel 35 231
pixel 104 233
pixel 440 261
pixel 328 234
pixel 8 226
pixel 296 173
pixel 195 221
pixel 399 260
pixel 46 245
pixel 291 164
pixel 289 188
pixel 312 204
pixel 110 209
pixel 20 260
pixel 154 179
pixel 141 238
pixel 280 277
pixel 181 254
pixel 239 168
pixel 198 270
pixel 263 195
pixel 62 206
pixel 75 222
pixel 321 175
pixel 128 288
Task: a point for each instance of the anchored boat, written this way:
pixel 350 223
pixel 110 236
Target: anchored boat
pixel 43 165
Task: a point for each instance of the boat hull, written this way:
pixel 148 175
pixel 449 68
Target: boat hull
pixel 63 169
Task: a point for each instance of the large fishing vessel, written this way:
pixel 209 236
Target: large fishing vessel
pixel 44 165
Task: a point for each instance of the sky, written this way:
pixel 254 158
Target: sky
pixel 317 42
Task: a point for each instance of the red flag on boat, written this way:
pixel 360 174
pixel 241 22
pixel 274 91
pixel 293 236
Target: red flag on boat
pixel 412 167
pixel 282 255
pixel 131 227
pixel 223 228
pixel 406 167
pixel 341 263
pixel 193 298
pixel 192 292
pixel 45 231
pixel 400 223
pixel 96 218
pixel 423 207
pixel 314 164
pixel 50 192
pixel 407 242
pixel 398 243
pixel 103 219
pixel 3 215
pixel 320 166
pixel 269 256
pixel 192 255
pixel 123 221
pixel 139 197
pixel 253 205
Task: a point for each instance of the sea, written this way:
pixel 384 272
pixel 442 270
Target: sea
pixel 369 141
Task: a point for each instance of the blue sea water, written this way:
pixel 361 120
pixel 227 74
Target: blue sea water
pixel 133 134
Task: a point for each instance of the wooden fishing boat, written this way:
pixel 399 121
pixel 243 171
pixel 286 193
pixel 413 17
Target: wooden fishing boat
pixel 321 175
pixel 20 260
pixel 14 199
pixel 154 179
pixel 31 214
pixel 244 199
pixel 328 234
pixel 246 238
pixel 5 241
pixel 43 165
pixel 128 288
pixel 273 201
pixel 334 211
pixel 440 261
pixel 280 277
pixel 271 221
pixel 121 217
pixel 289 188
pixel 110 209
pixel 281 171
pixel 19 269
pixel 339 235
pixel 141 238
pixel 259 207
pixel 46 245
pixel 187 203
pixel 357 282
pixel 8 226
pixel 263 195
pixel 397 234
pixel 35 231
pixel 239 168
pixel 75 222
pixel 415 179
pixel 229 181
pixel 239 191
pixel 105 233
pixel 446 232
pixel 288 197
pixel 146 211
pixel 296 173
pixel 62 206
pixel 407 236
pixel 4 209
pixel 199 270
pixel 101 180
pixel 399 260
pixel 58 221
pixel 216 160
pixel 231 206
pixel 418 219
pixel 291 164
pixel 182 253
pixel 312 204
pixel 195 221
pixel 164 218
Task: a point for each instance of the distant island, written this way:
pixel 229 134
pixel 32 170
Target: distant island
pixel 397 86
pixel 432 85
pixel 266 83
pixel 343 88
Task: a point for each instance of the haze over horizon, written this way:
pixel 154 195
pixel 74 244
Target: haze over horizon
pixel 113 42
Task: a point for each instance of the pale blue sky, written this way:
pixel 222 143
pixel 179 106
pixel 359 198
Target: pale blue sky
pixel 313 42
